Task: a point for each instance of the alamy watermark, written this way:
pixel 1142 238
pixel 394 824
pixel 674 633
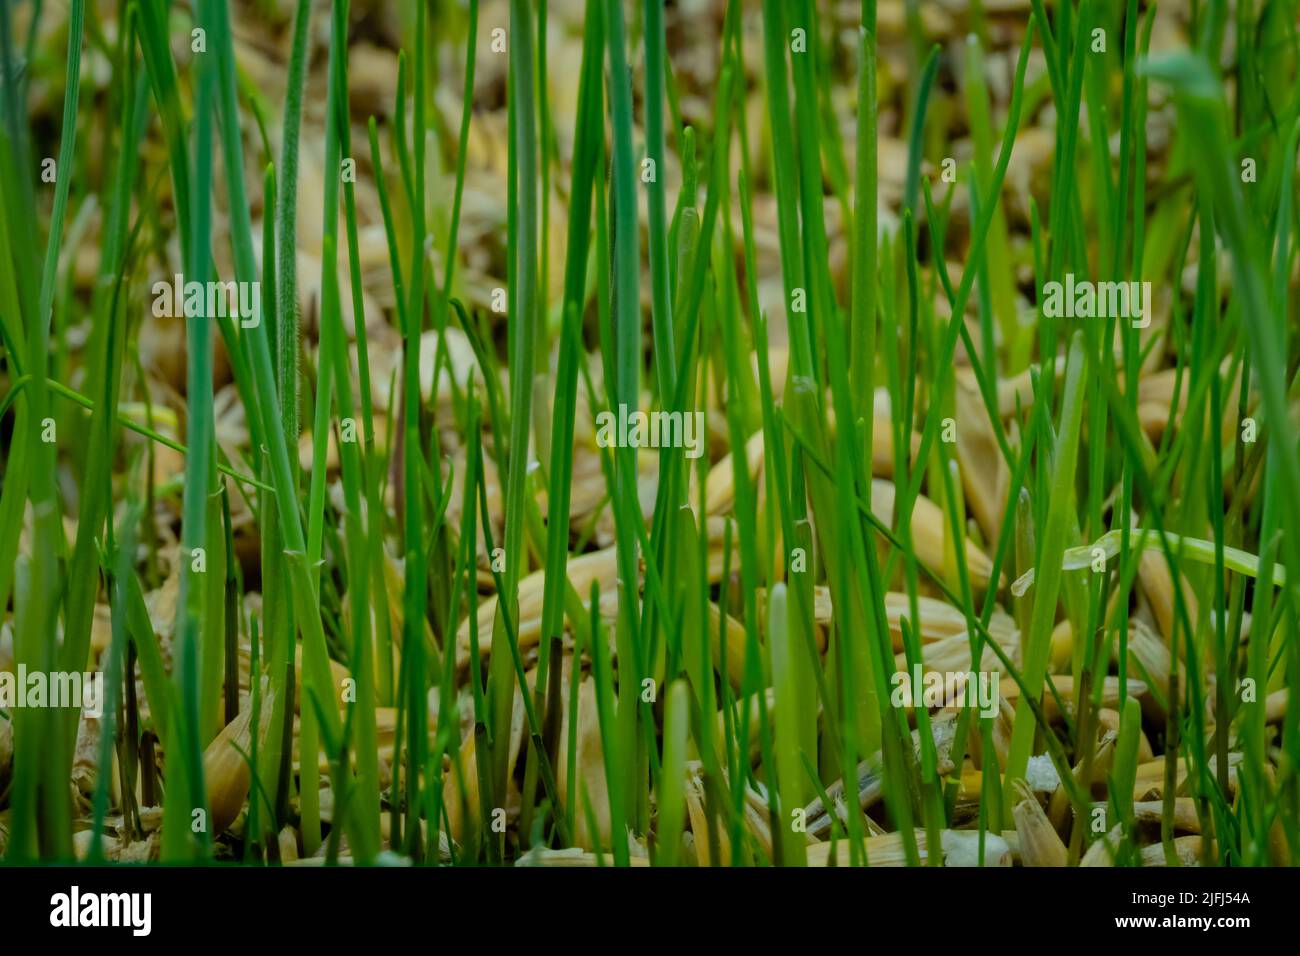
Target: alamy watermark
pixel 946 688
pixel 76 909
pixel 194 300
pixel 638 429
pixel 53 689
pixel 1082 299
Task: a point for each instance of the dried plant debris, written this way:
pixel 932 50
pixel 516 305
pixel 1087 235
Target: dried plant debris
pixel 695 434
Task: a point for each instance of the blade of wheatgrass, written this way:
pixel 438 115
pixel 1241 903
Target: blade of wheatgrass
pixel 276 619
pixel 557 592
pixel 861 573
pixel 812 197
pixel 1254 838
pixel 786 178
pixel 1132 440
pixel 113 678
pixel 1053 546
pixel 1269 520
pixel 686 221
pixel 159 691
pixel 706 734
pixel 627 325
pixel 231 588
pixel 287 344
pixel 300 595
pixel 185 832
pixel 162 78
pixel 555 445
pixel 602 675
pixel 331 337
pixel 286 218
pixel 969 272
pixel 442 553
pixel 665 351
pixel 473 480
pixel 575 267
pixel 309 738
pixel 241 230
pixel 212 630
pixel 1001 289
pixel 522 328
pixel 62 391
pixel 788 765
pixel 1198 550
pixel 933 816
pixel 462 151
pixel 108 345
pixel 389 691
pixel 754 682
pixel 626 387
pixel 363 567
pixel 661 304
pixel 521 508
pixel 414 595
pixel 378 652
pixel 1077 796
pixel 916 137
pixel 672 778
pixel 320 433
pixel 266 759
pixel 866 217
pixel 1124 770
pixel 1200 103
pixel 18 468
pixel 669 493
pixel 41 821
pixel 837 559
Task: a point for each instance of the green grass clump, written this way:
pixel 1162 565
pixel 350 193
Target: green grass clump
pixel 364 578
